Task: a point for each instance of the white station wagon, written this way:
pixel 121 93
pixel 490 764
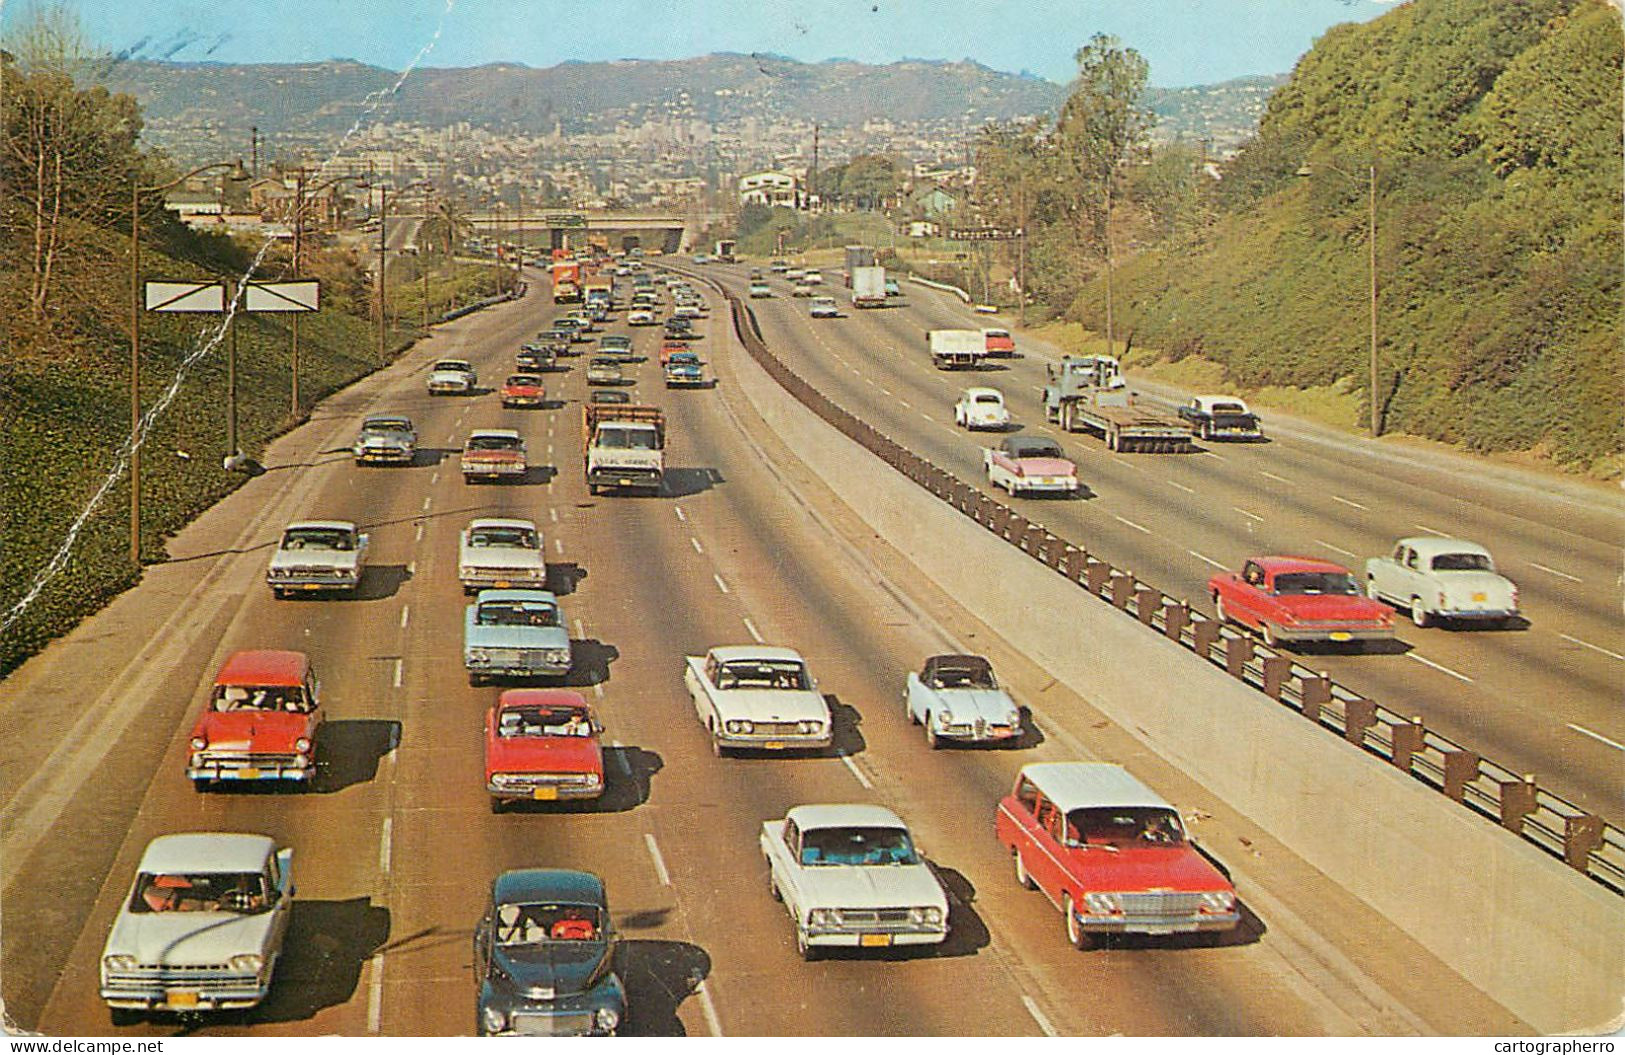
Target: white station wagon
pixel 757 696
pixel 1442 579
pixel 202 926
pixel 850 876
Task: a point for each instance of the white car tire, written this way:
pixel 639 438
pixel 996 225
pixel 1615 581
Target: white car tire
pixel 1075 935
pixel 1420 615
pixel 1023 878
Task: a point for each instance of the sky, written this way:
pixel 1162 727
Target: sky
pixel 1185 41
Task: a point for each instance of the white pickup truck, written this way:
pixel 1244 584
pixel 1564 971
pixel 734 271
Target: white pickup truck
pixel 317 556
pixel 501 553
pixel 850 876
pixel 757 696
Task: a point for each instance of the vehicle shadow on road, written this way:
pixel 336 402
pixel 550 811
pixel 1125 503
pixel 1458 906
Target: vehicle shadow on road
pixel 659 976
pixel 380 581
pixel 845 736
pixel 1390 647
pixel 966 931
pixel 681 483
pixel 589 662
pixel 628 775
pixel 430 456
pixel 351 750
pixel 562 578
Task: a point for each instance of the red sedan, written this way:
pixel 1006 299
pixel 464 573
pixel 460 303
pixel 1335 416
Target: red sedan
pixel 523 390
pixel 1299 599
pixel 542 745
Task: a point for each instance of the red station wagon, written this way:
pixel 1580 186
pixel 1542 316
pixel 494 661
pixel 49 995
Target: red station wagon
pixel 261 723
pixel 1299 599
pixel 542 745
pixel 1110 854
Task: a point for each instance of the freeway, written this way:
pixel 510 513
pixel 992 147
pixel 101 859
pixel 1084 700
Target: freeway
pixel 1541 700
pixel 396 847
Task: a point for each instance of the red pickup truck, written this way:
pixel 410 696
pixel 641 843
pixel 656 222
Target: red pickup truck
pixel 542 745
pixel 1299 599
pixel 1110 854
pixel 261 723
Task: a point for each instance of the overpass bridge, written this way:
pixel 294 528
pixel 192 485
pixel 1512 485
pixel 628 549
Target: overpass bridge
pixel 670 230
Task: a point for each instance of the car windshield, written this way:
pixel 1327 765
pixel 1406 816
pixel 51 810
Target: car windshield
pixel 493 443
pixel 857 846
pixel 1316 582
pixel 763 674
pixel 1463 562
pixel 978 677
pixel 523 380
pixel 526 721
pixel 318 538
pixel 517 613
pixel 456 365
pixel 544 923
pixel 387 425
pixel 1229 408
pixel 1035 449
pixel 502 536
pixel 988 398
pixel 290 698
pixel 615 342
pixel 627 439
pixel 240 893
pixel 1124 826
pixel 684 359
pixel 611 397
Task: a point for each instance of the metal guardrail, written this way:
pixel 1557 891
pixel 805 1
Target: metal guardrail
pixel 945 287
pixel 1585 841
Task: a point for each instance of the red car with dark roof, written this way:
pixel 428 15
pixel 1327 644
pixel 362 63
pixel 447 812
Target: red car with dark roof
pixel 542 745
pixel 261 723
pixel 523 390
pixel 1291 599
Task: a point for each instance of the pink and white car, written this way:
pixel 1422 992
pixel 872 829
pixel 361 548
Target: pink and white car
pixel 1026 464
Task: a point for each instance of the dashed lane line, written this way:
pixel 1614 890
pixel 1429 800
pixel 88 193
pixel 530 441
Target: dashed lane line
pixel 419 537
pixel 1182 487
pixel 1038 1016
pixel 1440 667
pixel 427 502
pixel 385 840
pixel 558 546
pixel 1347 501
pixel 1554 571
pixel 1583 731
pixel 1431 531
pixel 434 477
pixel 1272 476
pixel 1594 648
pixel 720 584
pixel 1130 523
pixel 680 514
pixel 754 633
pixel 375 994
pixel 654 855
pixel 696 544
pixel 712 1022
pixel 846 760
pixel 553 514
pixel 1245 513
pixel 406 615
pixel 400 671
pixel 1206 560
pixel 1334 549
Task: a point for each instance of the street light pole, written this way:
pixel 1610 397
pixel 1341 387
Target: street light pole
pixel 136 190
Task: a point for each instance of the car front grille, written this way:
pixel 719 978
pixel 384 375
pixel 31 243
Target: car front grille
pixel 533 659
pixel 536 1024
pixel 204 978
pixel 1161 904
pixel 245 760
pixel 544 780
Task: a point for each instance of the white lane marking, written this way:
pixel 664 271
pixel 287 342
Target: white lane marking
pixel 1334 549
pixel 1206 560
pixel 1272 476
pixel 400 665
pixel 553 514
pixel 558 546
pixel 886 390
pixel 712 1022
pixel 1587 644
pixel 696 544
pixel 427 501
pixel 755 633
pixel 1347 502
pixel 385 839
pixel 451 437
pixel 856 772
pixel 1431 531
pixel 720 584
pixel 1039 389
pixel 1038 1016
pixel 581 634
pixel 411 568
pixel 598 690
pixel 654 855
pixel 905 404
pixel 1583 731
pixel 620 756
pixel 434 477
pixel 1131 524
pixel 375 994
pixel 1210 454
pixel 926 416
pixel 871 381
pixel 680 514
pixel 406 615
pixel 1554 571
pixel 419 537
pixel 1441 668
pixel 1244 513
pixel 1182 487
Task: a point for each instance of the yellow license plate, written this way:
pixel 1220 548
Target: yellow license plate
pixel 1341 635
pixel 626 483
pixel 774 745
pixel 248 774
pixel 874 941
pixel 180 998
pixel 1480 597
pixel 544 794
pixel 309 586
pixel 502 584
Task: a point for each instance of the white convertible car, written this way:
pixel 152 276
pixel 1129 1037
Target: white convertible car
pixel 1441 579
pixel 849 875
pixel 202 926
pixel 757 696
pixel 957 698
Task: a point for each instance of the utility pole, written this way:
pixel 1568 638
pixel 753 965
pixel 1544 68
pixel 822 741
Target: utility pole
pixel 383 233
pixel 1109 331
pixel 254 148
pixel 293 323
pixel 812 176
pixel 234 291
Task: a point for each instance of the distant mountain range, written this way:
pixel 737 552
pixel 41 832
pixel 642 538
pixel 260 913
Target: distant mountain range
pixel 315 98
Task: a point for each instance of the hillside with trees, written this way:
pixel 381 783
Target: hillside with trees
pixel 1493 129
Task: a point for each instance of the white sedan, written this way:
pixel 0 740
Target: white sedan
pixel 1442 579
pixel 640 317
pixel 757 696
pixel 981 408
pixel 824 308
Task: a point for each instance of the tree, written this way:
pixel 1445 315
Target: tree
pixel 869 180
pixel 448 223
pixel 1101 127
pixel 69 153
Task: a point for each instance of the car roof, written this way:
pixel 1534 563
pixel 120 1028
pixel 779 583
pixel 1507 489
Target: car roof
pixel 512 434
pixel 1020 445
pixel 1433 545
pixel 958 662
pixel 533 596
pixel 1221 399
pixel 981 390
pixel 523 379
pixel 450 363
pixel 501 522
pixel 729 653
pixel 842 815
pixel 548 884
pixel 1072 785
pixel 1276 565
pixel 330 525
pixel 263 666
pixel 370 418
pixel 206 852
pixel 541 698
